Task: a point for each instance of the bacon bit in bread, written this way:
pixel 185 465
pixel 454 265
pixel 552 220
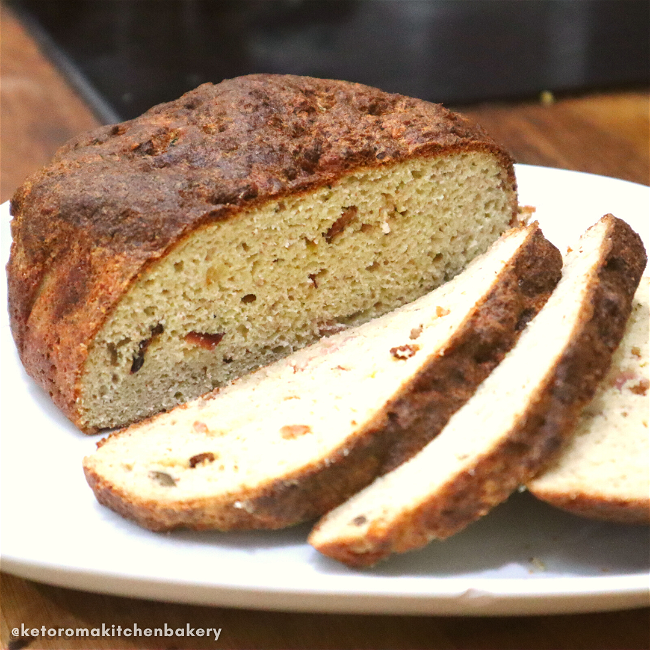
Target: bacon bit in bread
pixel 347 216
pixel 636 351
pixel 404 351
pixel 206 341
pixel 162 478
pixel 569 249
pixel 330 327
pixel 524 213
pixel 292 431
pixel 341 368
pixel 138 359
pixel 415 332
pixel 207 399
pixel 298 367
pixel 200 427
pixel 623 377
pixel 199 459
pixel 641 388
pixel 441 311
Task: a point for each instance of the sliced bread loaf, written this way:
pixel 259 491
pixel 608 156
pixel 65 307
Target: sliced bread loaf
pixel 296 438
pixel 157 259
pixel 519 417
pixel 604 472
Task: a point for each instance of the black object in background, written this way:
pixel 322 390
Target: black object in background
pixel 127 55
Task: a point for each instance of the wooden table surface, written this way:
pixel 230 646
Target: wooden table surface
pixel 604 133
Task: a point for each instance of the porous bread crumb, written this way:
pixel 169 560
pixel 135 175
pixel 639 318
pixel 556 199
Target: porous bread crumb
pixel 605 470
pixel 499 438
pixel 182 198
pixel 244 292
pixel 317 430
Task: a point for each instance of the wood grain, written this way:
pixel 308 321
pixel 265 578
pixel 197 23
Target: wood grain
pixel 604 134
pixel 39 604
pixel 38 112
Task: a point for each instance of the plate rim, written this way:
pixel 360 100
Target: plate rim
pixel 484 596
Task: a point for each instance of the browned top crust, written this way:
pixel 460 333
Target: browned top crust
pixel 622 511
pixel 115 199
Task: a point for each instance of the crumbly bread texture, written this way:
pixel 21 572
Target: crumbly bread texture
pixel 604 473
pixel 159 258
pixel 294 439
pixel 516 421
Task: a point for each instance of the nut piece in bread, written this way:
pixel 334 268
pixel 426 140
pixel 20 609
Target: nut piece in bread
pixel 516 422
pixel 293 440
pixel 159 258
pixel 604 473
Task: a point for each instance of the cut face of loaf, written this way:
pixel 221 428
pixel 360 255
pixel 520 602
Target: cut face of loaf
pixel 242 293
pixel 518 419
pixel 159 258
pixel 296 438
pixel 604 473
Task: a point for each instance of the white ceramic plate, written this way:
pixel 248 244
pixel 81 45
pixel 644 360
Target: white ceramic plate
pixel 525 557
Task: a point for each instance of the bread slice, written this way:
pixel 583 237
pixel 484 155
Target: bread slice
pixel 155 260
pixel 604 473
pixel 517 420
pixel 298 437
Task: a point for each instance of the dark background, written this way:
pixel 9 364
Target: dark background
pixel 127 55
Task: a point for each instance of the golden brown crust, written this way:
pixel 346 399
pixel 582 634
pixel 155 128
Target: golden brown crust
pixel 546 424
pixel 116 199
pixel 622 511
pixel 416 414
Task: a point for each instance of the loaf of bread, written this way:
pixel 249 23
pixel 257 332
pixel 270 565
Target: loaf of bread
pixel 605 471
pixel 159 258
pixel 297 438
pixel 515 423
